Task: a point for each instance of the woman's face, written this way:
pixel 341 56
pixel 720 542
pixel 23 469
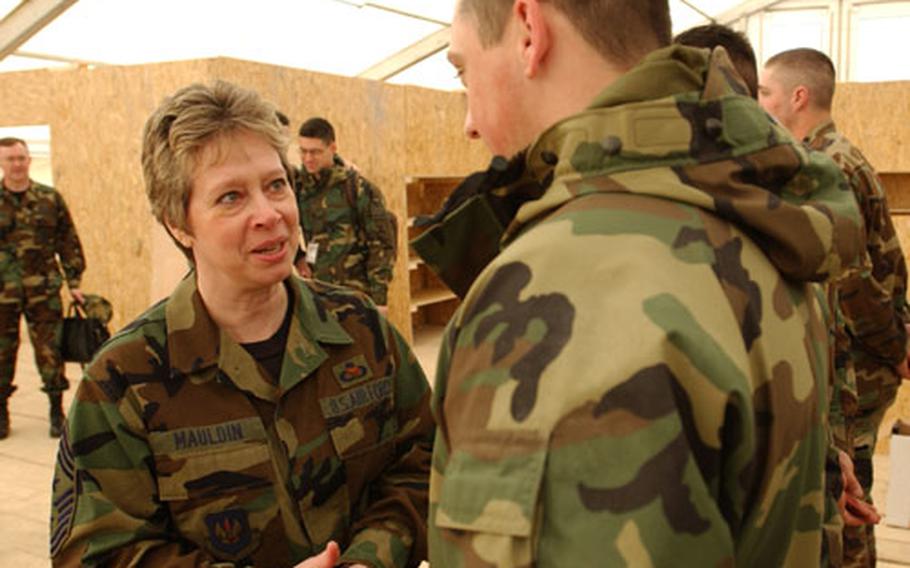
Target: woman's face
pixel 242 216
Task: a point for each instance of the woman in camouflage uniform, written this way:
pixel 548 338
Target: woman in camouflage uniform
pixel 251 418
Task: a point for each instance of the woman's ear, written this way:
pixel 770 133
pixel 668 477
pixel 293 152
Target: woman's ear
pixel 179 235
pixel 535 35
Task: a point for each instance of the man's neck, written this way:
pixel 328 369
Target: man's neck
pixel 16 188
pixel 574 77
pixel 806 122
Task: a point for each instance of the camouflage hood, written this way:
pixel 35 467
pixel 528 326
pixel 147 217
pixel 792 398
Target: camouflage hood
pixel 675 127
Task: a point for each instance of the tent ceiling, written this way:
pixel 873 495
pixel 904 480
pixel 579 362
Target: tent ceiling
pixel 402 41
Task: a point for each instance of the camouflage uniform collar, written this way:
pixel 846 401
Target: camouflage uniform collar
pixel 663 73
pixel 192 335
pixel 694 146
pixel 326 177
pixel 672 87
pixel 320 323
pixel 195 342
pixel 823 129
pixel 623 115
pixel 28 193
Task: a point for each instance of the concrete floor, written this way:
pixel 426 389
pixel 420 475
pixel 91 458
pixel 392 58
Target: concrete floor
pixel 27 465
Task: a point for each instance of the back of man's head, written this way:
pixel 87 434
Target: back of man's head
pixel 10 141
pixel 622 31
pixel 808 67
pixel 736 43
pixel 317 127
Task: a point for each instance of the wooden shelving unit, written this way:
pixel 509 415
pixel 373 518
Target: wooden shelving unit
pixel 897 189
pixel 430 296
pixel 432 303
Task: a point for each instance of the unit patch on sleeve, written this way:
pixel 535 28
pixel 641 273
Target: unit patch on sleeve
pixel 230 535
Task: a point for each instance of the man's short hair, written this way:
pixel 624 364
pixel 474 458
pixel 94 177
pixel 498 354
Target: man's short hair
pixel 317 127
pixel 809 67
pixel 736 43
pixel 183 125
pixel 623 31
pixel 10 141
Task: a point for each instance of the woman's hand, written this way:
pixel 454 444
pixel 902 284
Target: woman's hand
pixel 326 559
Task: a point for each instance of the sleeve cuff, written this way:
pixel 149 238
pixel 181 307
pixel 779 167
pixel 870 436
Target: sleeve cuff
pixel 380 296
pixel 377 548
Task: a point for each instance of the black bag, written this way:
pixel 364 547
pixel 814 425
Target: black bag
pixel 82 336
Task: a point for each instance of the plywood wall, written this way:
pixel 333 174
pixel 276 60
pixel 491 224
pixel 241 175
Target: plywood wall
pixel 96 117
pixel 898 188
pixel 876 117
pixel 390 132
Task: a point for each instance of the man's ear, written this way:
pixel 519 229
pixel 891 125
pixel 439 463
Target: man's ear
pixel 800 97
pixel 534 34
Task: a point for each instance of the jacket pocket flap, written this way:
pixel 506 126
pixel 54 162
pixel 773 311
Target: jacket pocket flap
pixel 493 492
pixel 222 472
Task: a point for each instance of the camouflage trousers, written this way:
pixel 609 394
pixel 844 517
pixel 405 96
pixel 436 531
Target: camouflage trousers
pixel 44 316
pixel 833 524
pixel 876 389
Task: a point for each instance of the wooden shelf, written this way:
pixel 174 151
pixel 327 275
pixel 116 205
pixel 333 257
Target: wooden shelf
pixel 432 303
pixel 425 195
pixel 897 190
pixel 431 296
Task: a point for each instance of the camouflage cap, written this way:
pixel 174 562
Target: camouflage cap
pixel 98 307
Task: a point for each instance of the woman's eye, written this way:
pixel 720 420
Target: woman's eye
pixel 229 197
pixel 278 184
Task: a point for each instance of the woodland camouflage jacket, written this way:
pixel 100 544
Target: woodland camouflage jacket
pixel 179 450
pixel 346 217
pixel 36 229
pixel 639 377
pixel 871 338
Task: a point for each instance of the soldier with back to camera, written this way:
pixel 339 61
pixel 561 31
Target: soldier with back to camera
pixel 637 376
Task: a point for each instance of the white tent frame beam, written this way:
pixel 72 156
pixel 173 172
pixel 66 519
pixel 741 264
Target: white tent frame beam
pixel 697 10
pixel 745 9
pixel 27 19
pixel 391 10
pixel 57 58
pixel 409 56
